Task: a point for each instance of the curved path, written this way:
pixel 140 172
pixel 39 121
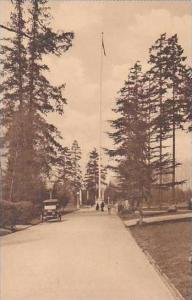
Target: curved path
pixel 88 256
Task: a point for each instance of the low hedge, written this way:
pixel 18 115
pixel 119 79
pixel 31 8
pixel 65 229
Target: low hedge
pixel 12 213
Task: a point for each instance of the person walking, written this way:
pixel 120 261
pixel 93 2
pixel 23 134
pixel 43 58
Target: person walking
pixel 109 208
pixel 102 206
pixel 97 206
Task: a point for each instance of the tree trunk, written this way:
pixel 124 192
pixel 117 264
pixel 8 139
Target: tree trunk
pixel 174 151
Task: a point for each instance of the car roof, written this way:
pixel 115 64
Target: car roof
pixel 51 201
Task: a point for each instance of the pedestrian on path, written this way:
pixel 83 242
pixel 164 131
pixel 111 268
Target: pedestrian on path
pixel 102 206
pixel 109 208
pixel 97 206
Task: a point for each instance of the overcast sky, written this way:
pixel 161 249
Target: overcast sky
pixel 130 28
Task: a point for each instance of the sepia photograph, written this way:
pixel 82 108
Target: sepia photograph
pixel 95 150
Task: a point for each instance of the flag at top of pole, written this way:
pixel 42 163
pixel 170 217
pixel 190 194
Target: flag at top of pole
pixel 103 46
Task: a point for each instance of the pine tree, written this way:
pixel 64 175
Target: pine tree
pixel 130 137
pixel 76 168
pixel 160 124
pixel 36 95
pixel 168 73
pixel 174 105
pixel 152 150
pixel 187 96
pixel 13 94
pixel 147 118
pixel 63 188
pixel 91 180
pixel 43 96
pixel 65 172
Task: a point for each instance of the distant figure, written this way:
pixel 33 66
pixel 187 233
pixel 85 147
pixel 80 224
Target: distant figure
pixel 119 207
pixel 109 208
pixel 97 206
pixel 102 206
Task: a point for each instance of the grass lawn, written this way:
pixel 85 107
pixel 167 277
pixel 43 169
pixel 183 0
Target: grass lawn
pixel 169 244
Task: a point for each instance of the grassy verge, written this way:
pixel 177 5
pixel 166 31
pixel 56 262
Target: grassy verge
pixel 170 246
pixel 151 213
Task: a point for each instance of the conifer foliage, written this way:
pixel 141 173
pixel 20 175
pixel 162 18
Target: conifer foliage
pixel 69 182
pixel 187 96
pixel 65 173
pixel 167 73
pixel 131 136
pixel 91 180
pixel 174 105
pixel 158 63
pixel 76 168
pixel 27 96
pixel 150 108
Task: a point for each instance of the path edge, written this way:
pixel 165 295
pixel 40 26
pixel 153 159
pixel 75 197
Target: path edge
pixel 173 290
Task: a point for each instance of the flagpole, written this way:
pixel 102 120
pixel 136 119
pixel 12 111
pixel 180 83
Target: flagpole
pixel 100 115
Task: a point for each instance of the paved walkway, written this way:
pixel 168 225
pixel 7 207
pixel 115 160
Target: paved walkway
pixel 88 256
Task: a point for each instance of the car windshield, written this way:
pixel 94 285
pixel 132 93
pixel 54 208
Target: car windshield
pixel 50 206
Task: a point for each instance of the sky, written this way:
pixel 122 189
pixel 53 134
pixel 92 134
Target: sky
pixel 130 28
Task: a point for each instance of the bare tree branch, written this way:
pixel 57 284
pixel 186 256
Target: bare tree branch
pixel 13 30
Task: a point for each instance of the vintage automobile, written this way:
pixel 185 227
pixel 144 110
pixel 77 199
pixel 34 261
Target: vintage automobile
pixel 51 210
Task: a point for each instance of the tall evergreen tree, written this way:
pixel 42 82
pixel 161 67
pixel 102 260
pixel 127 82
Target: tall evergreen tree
pixel 174 105
pixel 130 137
pixel 35 94
pixel 150 108
pixel 161 127
pixel 13 95
pixel 43 96
pixel 63 187
pixel 152 149
pixel 187 96
pixel 91 180
pixel 65 172
pixel 76 168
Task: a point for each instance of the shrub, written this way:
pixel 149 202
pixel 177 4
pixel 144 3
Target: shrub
pixel 12 213
pixel 64 193
pixel 6 213
pixel 24 211
pixel 125 211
